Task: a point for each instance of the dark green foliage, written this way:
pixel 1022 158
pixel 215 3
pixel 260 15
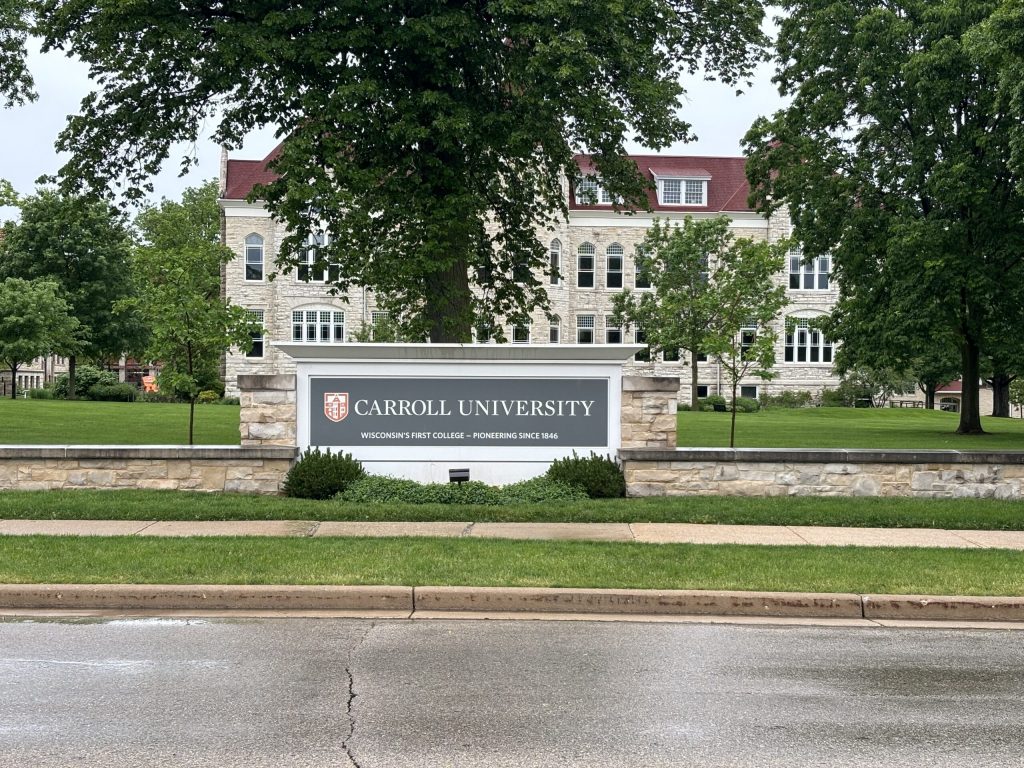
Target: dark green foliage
pixel 375 489
pixel 208 396
pixel 319 475
pixel 122 393
pixel 86 377
pixel 708 403
pixel 163 396
pixel 833 398
pixel 599 476
pixel 787 399
pixel 747 405
pixel 229 401
pixel 41 394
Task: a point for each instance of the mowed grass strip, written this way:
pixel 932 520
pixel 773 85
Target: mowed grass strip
pixel 417 562
pixel 847 428
pixel 83 422
pixel 959 514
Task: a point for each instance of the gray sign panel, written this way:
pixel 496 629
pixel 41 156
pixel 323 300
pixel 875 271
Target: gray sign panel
pixel 425 411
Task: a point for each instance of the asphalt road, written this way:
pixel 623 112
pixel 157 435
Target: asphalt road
pixel 290 692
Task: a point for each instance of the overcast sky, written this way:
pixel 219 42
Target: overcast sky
pixel 27 133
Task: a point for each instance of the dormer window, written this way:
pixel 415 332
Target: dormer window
pixel 682 188
pixel 590 192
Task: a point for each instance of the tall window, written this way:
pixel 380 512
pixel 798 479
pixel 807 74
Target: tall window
pixel 694 192
pixel 672 191
pixel 615 256
pixel 812 276
pixel 257 338
pixel 555 261
pixel 306 271
pixel 748 335
pixel 253 257
pixel 588 191
pixel 554 333
pixel 585 256
pixel 585 329
pixel 807 345
pixel 377 320
pixel 641 280
pixel 318 326
pixel 612 332
pixel 644 355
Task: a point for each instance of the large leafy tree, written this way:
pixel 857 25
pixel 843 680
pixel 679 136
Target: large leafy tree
pixel 16 86
pixel 82 246
pixel 430 138
pixel 713 293
pixel 34 321
pixel 894 156
pixel 177 271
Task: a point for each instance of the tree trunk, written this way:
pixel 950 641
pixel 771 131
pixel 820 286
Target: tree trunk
pixel 14 382
pixel 694 405
pixel 732 427
pixel 71 377
pixel 1001 394
pixel 970 411
pixel 191 418
pixel 449 308
pixel 929 394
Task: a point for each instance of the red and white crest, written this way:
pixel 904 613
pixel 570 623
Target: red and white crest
pixel 336 405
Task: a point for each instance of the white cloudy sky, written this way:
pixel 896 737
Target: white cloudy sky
pixel 27 133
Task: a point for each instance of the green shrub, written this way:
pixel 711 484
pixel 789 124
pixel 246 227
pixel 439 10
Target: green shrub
pixel 208 396
pixel 787 399
pixel 86 377
pixel 121 393
pixel 321 475
pixel 832 398
pixel 599 476
pixel 377 489
pixel 41 394
pixel 747 405
pixel 229 401
pixel 708 403
pixel 163 396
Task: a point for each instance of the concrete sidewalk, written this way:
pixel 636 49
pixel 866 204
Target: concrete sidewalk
pixel 646 533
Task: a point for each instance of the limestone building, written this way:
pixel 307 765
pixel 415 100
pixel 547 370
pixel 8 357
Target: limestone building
pixel 592 250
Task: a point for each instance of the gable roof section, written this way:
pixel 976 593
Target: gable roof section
pixel 727 181
pixel 243 175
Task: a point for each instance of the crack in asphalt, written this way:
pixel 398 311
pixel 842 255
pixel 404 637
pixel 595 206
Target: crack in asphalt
pixel 350 700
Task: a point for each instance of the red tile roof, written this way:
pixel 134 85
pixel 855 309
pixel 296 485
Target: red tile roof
pixel 727 185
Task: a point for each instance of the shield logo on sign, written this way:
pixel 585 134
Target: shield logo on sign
pixel 336 405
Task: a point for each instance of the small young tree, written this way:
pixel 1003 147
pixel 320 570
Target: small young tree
pixel 713 293
pixel 177 273
pixel 1017 395
pixel 34 321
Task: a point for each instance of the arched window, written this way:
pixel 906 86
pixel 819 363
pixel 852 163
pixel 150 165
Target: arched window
pixel 254 257
pixel 805 344
pixel 585 256
pixel 555 261
pixel 614 256
pixel 318 325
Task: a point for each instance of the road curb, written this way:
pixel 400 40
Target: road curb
pixel 399 600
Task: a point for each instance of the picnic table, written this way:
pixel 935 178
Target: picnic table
pixel 906 404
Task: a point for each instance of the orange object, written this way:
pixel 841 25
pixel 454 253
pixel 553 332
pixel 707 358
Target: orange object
pixel 149 384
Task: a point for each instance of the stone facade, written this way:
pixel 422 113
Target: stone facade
pixel 267 415
pixel 649 411
pixel 758 472
pixel 599 226
pixel 243 470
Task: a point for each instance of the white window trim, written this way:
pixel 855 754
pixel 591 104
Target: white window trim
pixel 704 181
pixel 803 324
pixel 258 315
pixel 305 322
pixel 529 334
pixel 245 258
pixel 621 272
pixel 593 267
pixel 592 328
pixel 815 272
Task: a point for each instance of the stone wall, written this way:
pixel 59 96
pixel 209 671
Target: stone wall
pixel 649 411
pixel 267 415
pixel 184 468
pixel 780 472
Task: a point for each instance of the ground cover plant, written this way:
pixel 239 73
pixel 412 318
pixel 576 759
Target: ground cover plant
pixel 961 514
pixel 847 428
pixel 483 562
pixel 109 423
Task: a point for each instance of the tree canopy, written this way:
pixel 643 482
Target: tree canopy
pixel 430 139
pixel 82 246
pixel 894 156
pixel 16 85
pixel 34 321
pixel 177 274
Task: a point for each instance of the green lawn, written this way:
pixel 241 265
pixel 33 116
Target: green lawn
pixel 87 560
pixel 846 428
pixel 977 514
pixel 64 422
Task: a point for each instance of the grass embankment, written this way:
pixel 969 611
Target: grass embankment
pixel 40 559
pixel 847 428
pixel 962 514
pixel 82 422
